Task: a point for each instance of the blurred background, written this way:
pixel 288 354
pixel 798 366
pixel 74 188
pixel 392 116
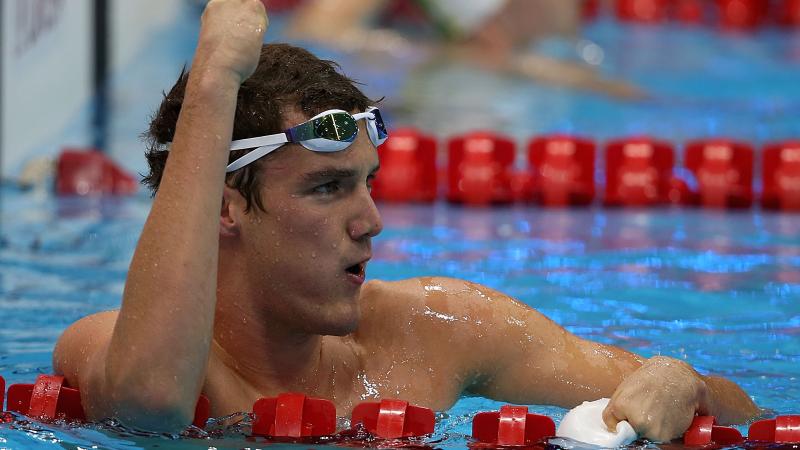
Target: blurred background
pixel 89 73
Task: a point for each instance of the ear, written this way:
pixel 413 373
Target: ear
pixel 231 213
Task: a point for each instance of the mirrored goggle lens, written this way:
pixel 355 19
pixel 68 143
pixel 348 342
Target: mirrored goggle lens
pixel 329 133
pixel 325 145
pixel 335 127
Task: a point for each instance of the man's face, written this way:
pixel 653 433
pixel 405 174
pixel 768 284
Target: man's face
pixel 306 255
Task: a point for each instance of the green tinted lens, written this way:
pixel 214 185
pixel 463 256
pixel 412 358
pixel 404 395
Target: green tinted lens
pixel 336 127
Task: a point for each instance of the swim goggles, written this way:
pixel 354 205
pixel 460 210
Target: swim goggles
pixel 329 131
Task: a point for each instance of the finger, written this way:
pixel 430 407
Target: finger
pixel 263 14
pixel 611 418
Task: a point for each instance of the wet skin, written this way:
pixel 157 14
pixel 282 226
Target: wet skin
pixel 242 304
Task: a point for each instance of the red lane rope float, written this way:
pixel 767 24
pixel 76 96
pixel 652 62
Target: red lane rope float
pixel 735 15
pixel 782 429
pixel 781 176
pixel 724 172
pixel 638 172
pixel 408 168
pixel 789 13
pixel 46 399
pixel 293 415
pixel 703 431
pixel 49 399
pixel 479 170
pixel 562 170
pixel 642 11
pixel 202 412
pixel 392 419
pixel 90 172
pixel 4 416
pixel 742 14
pixel 512 425
pixel 691 12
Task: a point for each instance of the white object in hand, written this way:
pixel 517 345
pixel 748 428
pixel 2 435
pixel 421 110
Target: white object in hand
pixel 584 423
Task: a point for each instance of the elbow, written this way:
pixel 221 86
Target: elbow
pixel 152 400
pixel 154 413
pixel 162 410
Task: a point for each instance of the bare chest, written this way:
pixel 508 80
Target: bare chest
pixel 408 377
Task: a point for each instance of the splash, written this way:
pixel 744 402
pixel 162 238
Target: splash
pixel 370 387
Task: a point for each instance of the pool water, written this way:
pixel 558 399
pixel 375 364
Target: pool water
pixel 718 289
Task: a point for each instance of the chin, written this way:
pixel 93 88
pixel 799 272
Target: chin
pixel 341 329
pixel 339 323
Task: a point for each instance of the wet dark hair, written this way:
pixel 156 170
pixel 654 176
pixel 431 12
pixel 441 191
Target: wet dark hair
pixel 286 77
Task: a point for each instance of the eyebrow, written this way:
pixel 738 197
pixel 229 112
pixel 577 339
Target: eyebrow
pixel 333 172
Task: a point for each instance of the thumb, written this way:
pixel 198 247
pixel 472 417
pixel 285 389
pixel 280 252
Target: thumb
pixel 611 418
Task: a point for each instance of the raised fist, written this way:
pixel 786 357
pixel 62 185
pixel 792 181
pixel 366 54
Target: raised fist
pixel 231 34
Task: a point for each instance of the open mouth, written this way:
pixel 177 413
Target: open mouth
pixel 356 269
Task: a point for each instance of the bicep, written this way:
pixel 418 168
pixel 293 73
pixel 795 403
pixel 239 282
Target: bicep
pixel 79 356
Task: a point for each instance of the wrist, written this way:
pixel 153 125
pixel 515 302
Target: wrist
pixel 206 81
pixel 208 73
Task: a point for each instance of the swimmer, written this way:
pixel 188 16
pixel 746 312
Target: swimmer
pixel 489 34
pixel 248 278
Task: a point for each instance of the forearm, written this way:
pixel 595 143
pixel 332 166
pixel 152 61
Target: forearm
pixel 169 299
pixel 728 402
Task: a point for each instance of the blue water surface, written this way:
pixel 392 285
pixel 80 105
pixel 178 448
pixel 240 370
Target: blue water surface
pixel 719 290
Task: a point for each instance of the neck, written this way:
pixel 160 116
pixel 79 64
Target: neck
pixel 267 354
pixel 268 359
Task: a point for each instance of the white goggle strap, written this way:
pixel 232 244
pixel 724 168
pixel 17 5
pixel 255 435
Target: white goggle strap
pixel 263 144
pixel 258 152
pixel 364 115
pixel 372 127
pixel 259 141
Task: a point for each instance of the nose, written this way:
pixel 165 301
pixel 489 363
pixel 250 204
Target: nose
pixel 366 223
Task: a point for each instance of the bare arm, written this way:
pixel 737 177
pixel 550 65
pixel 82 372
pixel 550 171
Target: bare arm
pixel 150 370
pixel 517 355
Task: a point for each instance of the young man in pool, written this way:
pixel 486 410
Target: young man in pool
pixel 248 283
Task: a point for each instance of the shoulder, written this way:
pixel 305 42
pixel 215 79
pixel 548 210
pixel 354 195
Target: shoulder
pixel 392 297
pixel 430 308
pixel 81 339
pixel 431 305
pixel 452 294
